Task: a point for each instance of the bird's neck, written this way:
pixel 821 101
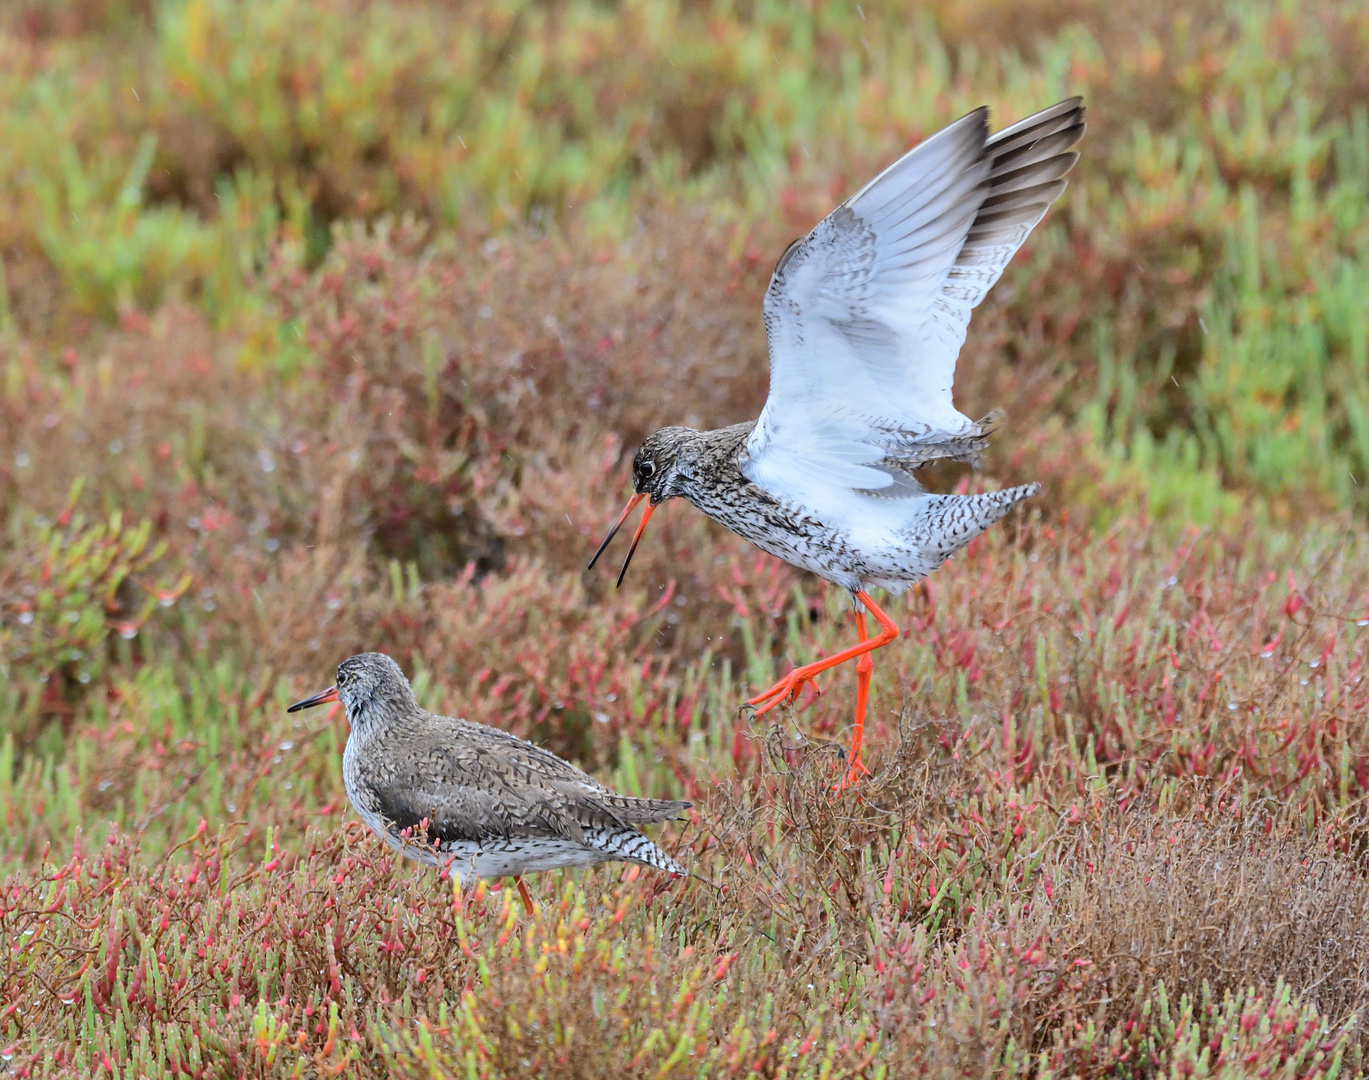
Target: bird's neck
pixel 710 461
pixel 370 717
pixel 361 719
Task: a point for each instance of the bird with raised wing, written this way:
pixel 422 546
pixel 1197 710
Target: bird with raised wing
pixel 472 798
pixel 865 317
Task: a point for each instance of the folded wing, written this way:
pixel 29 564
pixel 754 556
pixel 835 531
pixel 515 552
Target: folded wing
pixel 866 315
pixel 496 786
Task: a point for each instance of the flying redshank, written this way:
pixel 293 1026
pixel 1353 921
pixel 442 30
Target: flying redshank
pixel 471 797
pixel 865 317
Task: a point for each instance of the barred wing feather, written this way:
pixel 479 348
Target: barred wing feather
pixel 866 315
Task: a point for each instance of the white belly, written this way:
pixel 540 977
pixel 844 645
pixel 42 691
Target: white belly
pixel 494 858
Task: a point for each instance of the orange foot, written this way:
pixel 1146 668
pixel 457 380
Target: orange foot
pixel 787 690
pixel 854 773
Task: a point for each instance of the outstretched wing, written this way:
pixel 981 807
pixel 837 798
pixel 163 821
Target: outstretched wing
pixel 866 315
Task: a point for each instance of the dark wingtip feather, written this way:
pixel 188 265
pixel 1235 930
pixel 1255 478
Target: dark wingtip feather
pixel 1063 114
pixel 646 811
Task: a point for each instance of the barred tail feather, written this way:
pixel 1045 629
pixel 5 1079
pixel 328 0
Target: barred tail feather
pixel 946 523
pixel 628 845
pixel 981 511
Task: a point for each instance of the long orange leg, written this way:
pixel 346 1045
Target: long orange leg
pixel 523 892
pixel 788 688
pixel 865 667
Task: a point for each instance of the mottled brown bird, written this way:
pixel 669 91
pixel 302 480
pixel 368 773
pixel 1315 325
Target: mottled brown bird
pixel 865 317
pixel 473 798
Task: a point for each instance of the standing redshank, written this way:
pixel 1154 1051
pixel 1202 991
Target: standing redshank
pixel 479 800
pixel 865 317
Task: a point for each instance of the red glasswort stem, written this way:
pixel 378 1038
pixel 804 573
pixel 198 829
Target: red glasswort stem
pixel 523 892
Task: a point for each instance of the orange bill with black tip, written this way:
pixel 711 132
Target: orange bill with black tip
pixel 321 698
pixel 631 505
pixel 641 528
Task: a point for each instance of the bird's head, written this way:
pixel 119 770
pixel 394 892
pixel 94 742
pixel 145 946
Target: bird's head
pixel 656 470
pixel 659 472
pixel 369 685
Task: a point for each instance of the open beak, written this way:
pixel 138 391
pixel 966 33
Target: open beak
pixel 641 527
pixel 321 698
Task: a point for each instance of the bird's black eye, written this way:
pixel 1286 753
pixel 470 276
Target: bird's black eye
pixel 647 469
pixel 341 677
